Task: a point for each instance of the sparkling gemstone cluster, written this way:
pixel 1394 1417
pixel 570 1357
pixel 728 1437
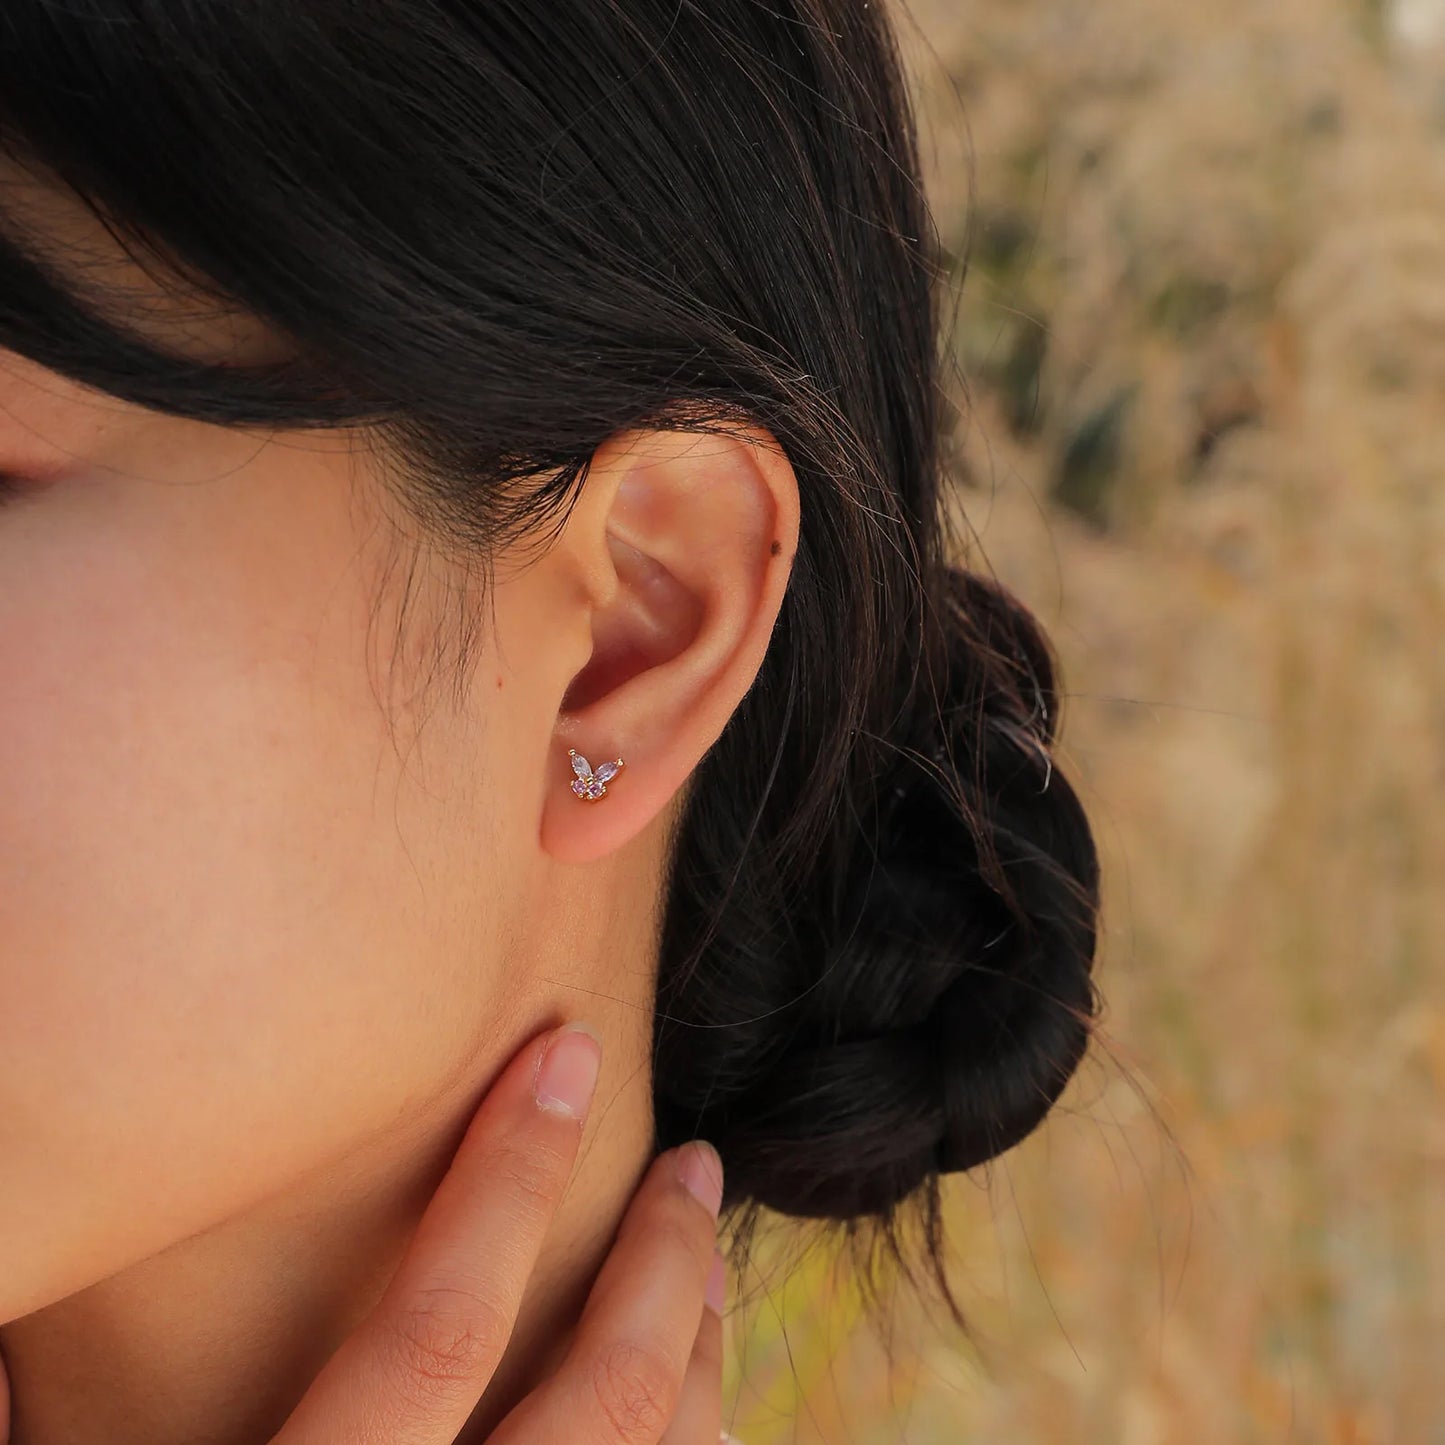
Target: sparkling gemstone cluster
pixel 589 785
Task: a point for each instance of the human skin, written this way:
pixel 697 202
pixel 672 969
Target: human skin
pixel 644 1366
pixel 277 902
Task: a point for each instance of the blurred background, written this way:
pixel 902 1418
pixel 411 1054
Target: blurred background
pixel 1202 326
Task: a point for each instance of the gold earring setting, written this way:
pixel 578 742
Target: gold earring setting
pixel 590 786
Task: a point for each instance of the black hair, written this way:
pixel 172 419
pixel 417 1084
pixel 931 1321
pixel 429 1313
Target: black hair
pixel 500 233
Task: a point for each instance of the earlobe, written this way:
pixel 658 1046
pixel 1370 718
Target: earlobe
pixel 698 531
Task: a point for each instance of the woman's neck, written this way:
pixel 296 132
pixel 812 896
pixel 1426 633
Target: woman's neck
pixel 216 1338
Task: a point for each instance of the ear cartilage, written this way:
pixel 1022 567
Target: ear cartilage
pixel 590 786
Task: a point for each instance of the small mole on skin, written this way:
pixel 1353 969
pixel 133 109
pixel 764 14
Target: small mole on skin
pixel 499 679
pixel 776 547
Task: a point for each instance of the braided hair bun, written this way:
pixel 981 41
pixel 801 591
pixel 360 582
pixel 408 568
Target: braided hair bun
pixel 924 992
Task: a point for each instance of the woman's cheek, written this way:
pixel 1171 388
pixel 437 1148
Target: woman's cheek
pixel 203 923
pixel 231 942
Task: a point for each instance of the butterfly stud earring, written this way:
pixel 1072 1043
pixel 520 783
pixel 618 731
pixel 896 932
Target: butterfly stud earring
pixel 590 786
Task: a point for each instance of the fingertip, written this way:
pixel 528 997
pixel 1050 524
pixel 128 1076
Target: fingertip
pixel 700 1168
pixel 567 1070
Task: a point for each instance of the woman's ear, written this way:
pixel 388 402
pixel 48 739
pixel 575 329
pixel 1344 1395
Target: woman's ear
pixel 687 542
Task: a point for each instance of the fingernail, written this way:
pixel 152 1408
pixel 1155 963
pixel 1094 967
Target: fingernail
pixel 699 1167
pixel 715 1293
pixel 567 1074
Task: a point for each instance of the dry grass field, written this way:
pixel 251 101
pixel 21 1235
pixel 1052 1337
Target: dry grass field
pixel 1202 327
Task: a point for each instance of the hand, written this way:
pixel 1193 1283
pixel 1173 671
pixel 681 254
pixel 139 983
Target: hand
pixel 645 1364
